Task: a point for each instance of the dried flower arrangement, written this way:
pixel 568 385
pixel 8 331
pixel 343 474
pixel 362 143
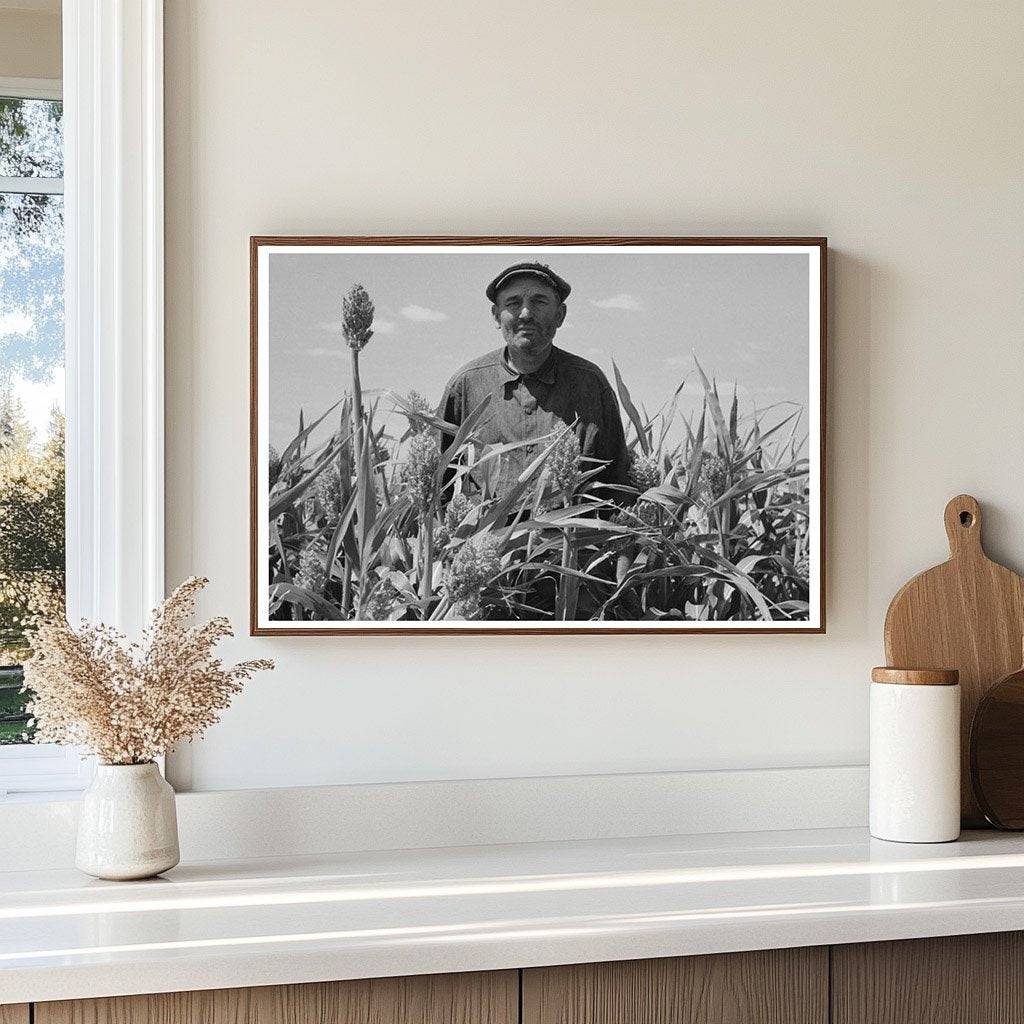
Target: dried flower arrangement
pixel 130 703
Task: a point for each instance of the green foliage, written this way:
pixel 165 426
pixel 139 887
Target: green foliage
pixel 14 727
pixel 31 548
pixel 713 527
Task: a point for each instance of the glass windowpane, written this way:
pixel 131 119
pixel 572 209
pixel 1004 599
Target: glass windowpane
pixel 31 395
pixel 31 138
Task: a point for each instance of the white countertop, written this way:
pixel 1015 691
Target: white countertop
pixel 261 922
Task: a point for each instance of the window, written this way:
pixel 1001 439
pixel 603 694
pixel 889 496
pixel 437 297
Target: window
pixel 32 489
pixel 108 206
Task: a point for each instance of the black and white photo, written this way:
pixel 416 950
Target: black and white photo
pixel 533 435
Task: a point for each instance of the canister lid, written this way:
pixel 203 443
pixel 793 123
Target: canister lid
pixel 916 676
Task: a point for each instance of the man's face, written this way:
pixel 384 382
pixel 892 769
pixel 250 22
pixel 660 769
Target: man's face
pixel 528 311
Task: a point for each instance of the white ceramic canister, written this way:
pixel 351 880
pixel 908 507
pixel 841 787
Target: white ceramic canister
pixel 915 755
pixel 127 824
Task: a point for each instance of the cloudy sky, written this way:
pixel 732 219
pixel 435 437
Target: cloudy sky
pixel 743 315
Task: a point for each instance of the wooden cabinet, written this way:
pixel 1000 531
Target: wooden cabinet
pixel 962 979
pixel 776 986
pixel 491 998
pixel 970 979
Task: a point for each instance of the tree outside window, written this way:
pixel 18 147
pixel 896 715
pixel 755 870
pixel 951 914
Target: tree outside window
pixel 31 387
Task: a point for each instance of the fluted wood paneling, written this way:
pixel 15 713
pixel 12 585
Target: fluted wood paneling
pixel 962 979
pixel 778 986
pixel 481 998
pixel 14 1013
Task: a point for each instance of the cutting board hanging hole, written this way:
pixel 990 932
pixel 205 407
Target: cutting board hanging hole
pixel 963 526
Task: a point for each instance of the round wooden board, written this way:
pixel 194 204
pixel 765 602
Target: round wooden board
pixel 997 752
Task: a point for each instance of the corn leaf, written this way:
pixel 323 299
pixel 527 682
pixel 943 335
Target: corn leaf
pixel 631 411
pixel 303 434
pixel 285 501
pixel 717 417
pixel 291 593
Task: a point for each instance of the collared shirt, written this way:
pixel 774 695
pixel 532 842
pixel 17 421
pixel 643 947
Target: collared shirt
pixel 526 407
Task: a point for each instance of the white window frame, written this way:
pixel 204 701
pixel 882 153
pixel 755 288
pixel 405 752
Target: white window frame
pixel 114 326
pixel 32 88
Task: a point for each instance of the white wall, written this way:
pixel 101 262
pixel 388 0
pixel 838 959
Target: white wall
pixel 895 129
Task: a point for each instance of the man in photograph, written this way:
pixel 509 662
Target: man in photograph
pixel 537 388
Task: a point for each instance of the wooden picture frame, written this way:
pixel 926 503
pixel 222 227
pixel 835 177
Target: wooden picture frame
pixel 801 550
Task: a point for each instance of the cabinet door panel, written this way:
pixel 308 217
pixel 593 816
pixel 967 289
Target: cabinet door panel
pixel 481 998
pixel 14 1013
pixel 778 986
pixel 960 979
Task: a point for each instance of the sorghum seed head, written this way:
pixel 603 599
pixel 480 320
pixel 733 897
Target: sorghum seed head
pixel 563 465
pixel 713 481
pixel 420 470
pixel 473 567
pixel 312 572
pixel 643 513
pixel 644 472
pixel 458 508
pixel 382 601
pixel 418 404
pixel 357 317
pixel 328 492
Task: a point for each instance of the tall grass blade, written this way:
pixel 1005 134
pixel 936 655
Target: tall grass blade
pixel 715 407
pixel 285 501
pixel 303 434
pixel 631 411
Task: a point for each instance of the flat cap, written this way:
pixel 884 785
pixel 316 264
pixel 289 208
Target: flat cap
pixel 541 270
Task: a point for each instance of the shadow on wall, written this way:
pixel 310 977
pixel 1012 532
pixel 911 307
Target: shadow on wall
pixel 855 290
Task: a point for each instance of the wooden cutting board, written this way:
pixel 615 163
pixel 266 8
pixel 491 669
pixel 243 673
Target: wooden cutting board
pixel 967 614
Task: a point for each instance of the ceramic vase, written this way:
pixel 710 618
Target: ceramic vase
pixel 127 825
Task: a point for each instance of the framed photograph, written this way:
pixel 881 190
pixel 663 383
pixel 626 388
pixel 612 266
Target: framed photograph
pixel 537 435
